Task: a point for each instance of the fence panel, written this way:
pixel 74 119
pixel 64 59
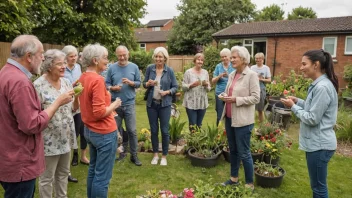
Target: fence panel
pixel 178 62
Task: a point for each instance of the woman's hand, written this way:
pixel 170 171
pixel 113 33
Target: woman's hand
pixel 195 84
pixel 164 93
pixel 65 98
pixel 229 99
pixel 294 99
pixel 205 83
pixel 117 103
pixel 150 83
pixel 287 102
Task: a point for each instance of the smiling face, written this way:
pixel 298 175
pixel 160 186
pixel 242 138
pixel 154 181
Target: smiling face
pixel 199 62
pixel 308 68
pixel 159 59
pixel 57 69
pixel 236 60
pixel 225 60
pixel 122 56
pixel 259 61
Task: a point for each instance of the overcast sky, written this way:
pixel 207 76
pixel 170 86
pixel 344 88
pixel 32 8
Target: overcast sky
pixel 164 9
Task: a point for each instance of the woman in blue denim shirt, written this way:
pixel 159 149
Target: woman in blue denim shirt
pixel 161 81
pixel 318 114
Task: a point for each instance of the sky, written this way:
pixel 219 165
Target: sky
pixel 165 9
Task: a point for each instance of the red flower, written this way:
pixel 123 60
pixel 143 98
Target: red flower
pixel 277 130
pixel 286 92
pixel 272 135
pixel 266 137
pixel 225 132
pixel 273 140
pixel 262 138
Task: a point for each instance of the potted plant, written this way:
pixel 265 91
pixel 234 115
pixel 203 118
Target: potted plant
pixel 257 149
pixel 144 140
pixel 204 149
pixel 268 176
pixel 347 96
pixel 175 130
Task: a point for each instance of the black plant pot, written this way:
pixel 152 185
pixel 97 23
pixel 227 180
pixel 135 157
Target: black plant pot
pixel 204 162
pixel 269 182
pixel 269 160
pixel 226 154
pixel 257 157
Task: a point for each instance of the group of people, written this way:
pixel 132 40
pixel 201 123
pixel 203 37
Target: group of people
pixel 41 121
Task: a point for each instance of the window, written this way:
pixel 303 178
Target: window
pixel 330 44
pixel 248 43
pixel 224 42
pixel 156 28
pixel 142 46
pixel 348 45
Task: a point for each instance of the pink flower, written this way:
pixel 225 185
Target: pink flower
pixel 286 92
pixel 274 82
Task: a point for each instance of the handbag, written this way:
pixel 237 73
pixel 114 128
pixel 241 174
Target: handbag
pixel 146 93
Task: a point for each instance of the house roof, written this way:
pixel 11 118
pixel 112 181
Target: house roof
pixel 151 36
pixel 287 27
pixel 158 23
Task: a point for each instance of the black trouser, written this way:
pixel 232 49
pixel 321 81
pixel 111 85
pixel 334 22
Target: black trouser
pixel 79 127
pixel 23 189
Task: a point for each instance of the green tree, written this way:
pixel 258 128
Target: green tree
pixel 14 19
pixel 302 13
pixel 270 13
pixel 199 19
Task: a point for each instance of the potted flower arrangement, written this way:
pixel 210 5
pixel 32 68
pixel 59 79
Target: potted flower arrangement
pixel 257 149
pixel 268 176
pixel 158 194
pixel 204 149
pixel 144 139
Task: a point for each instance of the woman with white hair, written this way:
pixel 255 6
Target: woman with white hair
pixel 264 76
pixel 100 129
pixel 59 136
pixel 220 77
pixel 161 84
pixel 243 93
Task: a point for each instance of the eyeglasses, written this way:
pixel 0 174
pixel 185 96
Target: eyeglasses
pixel 60 64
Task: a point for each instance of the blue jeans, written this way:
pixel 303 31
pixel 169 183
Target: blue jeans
pixel 22 189
pixel 195 117
pixel 155 113
pixel 219 108
pixel 317 163
pixel 128 113
pixel 239 143
pixel 102 150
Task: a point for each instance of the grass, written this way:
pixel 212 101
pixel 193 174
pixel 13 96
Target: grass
pixel 129 180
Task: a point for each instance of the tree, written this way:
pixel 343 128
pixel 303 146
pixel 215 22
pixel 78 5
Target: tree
pixel 302 13
pixel 270 13
pixel 199 19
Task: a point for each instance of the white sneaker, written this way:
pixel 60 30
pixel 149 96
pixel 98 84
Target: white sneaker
pixel 163 162
pixel 155 161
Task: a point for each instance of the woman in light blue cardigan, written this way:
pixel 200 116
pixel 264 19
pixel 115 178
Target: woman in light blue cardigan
pixel 318 114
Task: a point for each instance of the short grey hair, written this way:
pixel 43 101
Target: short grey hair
pixel 23 44
pixel 122 47
pixel 225 52
pixel 50 56
pixel 92 51
pixel 68 49
pixel 198 55
pixel 242 53
pixel 259 55
pixel 163 51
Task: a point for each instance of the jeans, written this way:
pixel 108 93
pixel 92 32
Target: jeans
pixel 79 127
pixel 22 189
pixel 128 113
pixel 317 163
pixel 155 113
pixel 239 143
pixel 219 108
pixel 102 150
pixel 195 117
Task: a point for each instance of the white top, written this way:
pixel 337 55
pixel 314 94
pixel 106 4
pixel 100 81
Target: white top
pixel 156 93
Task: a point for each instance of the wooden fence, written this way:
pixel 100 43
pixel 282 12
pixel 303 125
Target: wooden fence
pixel 176 62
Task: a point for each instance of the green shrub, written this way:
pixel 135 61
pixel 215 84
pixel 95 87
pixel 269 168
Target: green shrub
pixel 343 126
pixel 211 58
pixel 141 58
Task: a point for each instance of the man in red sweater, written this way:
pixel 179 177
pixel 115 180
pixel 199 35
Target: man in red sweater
pixel 22 119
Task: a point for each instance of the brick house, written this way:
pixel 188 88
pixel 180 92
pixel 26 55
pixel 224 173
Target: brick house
pixel 154 35
pixel 284 42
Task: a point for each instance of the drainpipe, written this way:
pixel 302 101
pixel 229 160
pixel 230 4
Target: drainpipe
pixel 274 65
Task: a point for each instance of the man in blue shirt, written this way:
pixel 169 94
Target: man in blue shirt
pixel 121 80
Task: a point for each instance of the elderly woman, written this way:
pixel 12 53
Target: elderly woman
pixel 161 82
pixel 59 136
pixel 72 73
pixel 196 84
pixel 220 77
pixel 318 114
pixel 243 93
pixel 100 128
pixel 264 76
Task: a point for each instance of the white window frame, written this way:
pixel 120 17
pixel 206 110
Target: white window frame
pixel 248 45
pixel 156 28
pixel 143 48
pixel 335 47
pixel 346 52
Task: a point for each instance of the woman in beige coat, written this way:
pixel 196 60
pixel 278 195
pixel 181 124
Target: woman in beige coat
pixel 242 93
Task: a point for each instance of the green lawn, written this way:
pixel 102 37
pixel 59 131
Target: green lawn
pixel 129 180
